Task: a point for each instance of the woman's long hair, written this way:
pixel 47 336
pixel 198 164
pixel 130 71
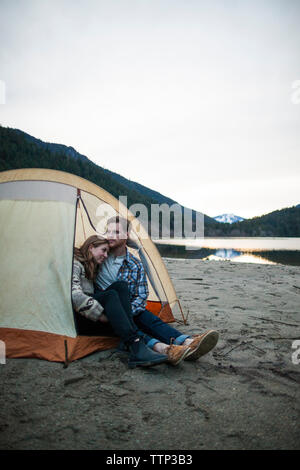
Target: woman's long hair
pixel 85 257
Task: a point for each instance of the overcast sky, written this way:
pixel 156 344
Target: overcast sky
pixel 194 99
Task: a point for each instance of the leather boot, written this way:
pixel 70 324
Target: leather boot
pixel 141 355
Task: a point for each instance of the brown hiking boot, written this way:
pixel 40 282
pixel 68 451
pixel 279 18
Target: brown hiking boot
pixel 177 353
pixel 202 344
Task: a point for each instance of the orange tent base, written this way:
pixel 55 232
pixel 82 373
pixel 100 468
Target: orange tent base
pixel 52 347
pixel 60 348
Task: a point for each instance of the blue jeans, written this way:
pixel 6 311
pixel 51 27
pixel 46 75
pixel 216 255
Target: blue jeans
pixel 159 330
pixel 145 324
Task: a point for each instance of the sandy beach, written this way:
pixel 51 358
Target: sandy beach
pixel 245 394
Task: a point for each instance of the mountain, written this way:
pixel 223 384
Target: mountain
pixel 228 218
pixel 20 150
pixel 279 223
pixel 160 198
pixel 70 152
pixel 53 148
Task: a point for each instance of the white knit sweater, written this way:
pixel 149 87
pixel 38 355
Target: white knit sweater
pixel 82 288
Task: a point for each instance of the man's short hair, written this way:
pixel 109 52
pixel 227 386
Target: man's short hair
pixel 120 220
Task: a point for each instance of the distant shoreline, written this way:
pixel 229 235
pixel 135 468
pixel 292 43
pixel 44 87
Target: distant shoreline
pixel 242 243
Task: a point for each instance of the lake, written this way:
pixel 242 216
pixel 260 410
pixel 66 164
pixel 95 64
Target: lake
pixel 263 250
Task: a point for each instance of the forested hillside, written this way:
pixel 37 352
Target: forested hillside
pixel 20 150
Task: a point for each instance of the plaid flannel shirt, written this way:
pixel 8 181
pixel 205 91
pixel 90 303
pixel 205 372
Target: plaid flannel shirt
pixel 132 271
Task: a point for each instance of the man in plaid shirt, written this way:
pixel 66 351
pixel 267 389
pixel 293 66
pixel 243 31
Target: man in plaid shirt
pixel 121 265
pixel 132 271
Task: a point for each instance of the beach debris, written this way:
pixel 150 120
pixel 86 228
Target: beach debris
pixel 275 321
pixel 75 379
pixel 235 347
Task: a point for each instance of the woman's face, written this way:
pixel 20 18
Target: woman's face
pixel 100 252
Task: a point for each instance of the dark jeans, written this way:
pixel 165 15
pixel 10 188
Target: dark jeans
pixel 117 307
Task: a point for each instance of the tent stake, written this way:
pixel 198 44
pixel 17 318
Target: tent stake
pixel 66 363
pixel 184 319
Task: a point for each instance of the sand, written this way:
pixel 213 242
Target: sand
pixel 242 395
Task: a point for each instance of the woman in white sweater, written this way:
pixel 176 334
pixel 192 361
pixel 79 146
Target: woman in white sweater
pixel 85 267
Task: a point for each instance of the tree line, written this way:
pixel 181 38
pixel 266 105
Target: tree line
pixel 19 150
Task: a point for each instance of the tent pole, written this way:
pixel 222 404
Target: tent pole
pixel 79 206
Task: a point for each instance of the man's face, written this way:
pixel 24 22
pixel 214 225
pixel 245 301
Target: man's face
pixel 116 235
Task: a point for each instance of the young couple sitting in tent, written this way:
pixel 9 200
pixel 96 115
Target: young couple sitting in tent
pixel 109 290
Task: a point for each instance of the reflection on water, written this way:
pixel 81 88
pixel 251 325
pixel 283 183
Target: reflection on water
pixel 289 257
pixel 238 257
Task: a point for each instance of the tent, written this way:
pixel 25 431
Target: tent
pixel 43 215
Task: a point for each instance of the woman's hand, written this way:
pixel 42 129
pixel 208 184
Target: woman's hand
pixel 103 319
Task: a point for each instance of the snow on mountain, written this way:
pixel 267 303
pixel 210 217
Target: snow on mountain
pixel 228 218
